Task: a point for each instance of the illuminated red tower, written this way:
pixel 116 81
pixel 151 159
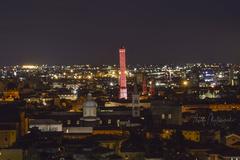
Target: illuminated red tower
pixel 152 88
pixel 123 79
pixel 144 86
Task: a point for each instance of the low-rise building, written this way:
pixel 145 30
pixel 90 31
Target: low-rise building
pixel 46 125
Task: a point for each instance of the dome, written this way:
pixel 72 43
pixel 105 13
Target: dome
pixel 90 102
pixel 90 109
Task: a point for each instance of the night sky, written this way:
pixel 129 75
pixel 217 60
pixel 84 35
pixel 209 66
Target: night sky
pixel 154 32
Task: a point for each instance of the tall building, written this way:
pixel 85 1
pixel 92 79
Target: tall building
pixel 231 77
pixel 139 78
pixel 123 79
pixel 135 103
pixel 144 86
pixel 194 76
pixel 152 88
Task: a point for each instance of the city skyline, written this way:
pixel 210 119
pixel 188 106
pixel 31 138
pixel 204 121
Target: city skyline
pixel 119 80
pixel 156 32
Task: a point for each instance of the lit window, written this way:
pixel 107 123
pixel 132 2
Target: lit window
pixel 169 116
pixel 68 122
pixel 163 116
pixel 109 121
pixel 118 123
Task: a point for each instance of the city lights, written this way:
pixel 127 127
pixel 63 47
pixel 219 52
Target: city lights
pixel 185 83
pixel 108 80
pixel 30 67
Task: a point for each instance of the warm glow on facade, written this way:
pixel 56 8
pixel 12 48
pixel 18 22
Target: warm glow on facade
pixel 30 67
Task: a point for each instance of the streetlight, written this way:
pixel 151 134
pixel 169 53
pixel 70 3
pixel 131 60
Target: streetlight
pixel 185 83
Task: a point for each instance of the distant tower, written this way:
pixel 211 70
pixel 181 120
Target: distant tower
pixel 144 86
pixel 152 88
pixel 123 79
pixel 231 77
pixel 135 103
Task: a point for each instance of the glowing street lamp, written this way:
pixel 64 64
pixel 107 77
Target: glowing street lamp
pixel 185 83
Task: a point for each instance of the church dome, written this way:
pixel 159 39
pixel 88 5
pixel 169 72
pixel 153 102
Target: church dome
pixel 90 103
pixel 90 109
